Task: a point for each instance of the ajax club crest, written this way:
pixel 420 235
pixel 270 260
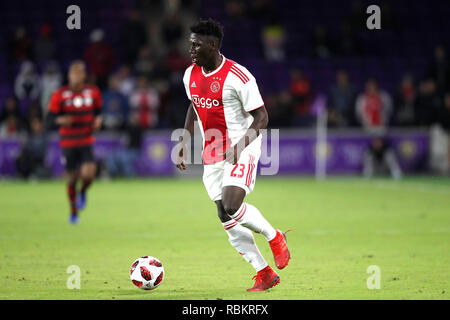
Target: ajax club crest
pixel 215 86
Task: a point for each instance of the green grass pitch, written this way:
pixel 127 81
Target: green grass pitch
pixel 342 226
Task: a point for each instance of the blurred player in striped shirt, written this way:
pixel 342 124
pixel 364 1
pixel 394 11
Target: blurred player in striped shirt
pixel 76 109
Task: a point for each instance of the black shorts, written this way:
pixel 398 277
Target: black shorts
pixel 74 157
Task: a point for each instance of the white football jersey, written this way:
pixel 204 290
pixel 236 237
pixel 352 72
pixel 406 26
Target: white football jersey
pixel 222 100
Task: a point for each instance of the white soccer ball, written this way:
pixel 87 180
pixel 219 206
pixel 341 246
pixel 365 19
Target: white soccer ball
pixel 147 273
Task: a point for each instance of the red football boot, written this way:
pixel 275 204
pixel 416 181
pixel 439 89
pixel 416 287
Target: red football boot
pixel 280 250
pixel 265 279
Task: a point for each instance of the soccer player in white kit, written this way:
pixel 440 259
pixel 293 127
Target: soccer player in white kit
pixel 226 102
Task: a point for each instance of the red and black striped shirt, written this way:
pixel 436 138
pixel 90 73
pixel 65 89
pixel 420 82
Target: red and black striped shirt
pixel 83 106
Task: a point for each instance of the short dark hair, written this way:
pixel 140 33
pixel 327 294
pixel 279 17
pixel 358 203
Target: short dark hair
pixel 78 61
pixel 209 27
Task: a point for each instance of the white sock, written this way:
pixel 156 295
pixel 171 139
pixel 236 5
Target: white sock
pixel 242 239
pixel 250 217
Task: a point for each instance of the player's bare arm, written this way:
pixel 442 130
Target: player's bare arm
pixel 97 123
pixel 260 121
pixel 188 132
pixel 64 120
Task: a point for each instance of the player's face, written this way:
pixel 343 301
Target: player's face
pixel 200 49
pixel 77 74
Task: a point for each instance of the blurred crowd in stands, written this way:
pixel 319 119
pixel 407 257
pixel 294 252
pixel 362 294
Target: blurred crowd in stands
pixel 415 103
pixel 143 84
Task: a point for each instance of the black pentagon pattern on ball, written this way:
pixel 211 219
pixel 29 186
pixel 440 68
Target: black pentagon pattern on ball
pixel 146 273
pixel 155 263
pixel 159 279
pixel 137 283
pixel 133 266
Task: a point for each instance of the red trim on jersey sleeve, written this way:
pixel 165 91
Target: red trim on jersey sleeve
pixel 239 74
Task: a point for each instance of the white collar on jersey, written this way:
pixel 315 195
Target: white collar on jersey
pixel 218 68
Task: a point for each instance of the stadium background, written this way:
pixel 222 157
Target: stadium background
pixel 295 50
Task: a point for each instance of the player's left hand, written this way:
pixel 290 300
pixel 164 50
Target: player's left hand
pixel 181 161
pixel 97 123
pixel 232 154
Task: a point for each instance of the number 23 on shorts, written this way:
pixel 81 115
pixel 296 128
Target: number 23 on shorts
pixel 240 172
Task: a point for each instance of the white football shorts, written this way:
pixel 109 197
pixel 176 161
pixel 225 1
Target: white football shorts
pixel 242 174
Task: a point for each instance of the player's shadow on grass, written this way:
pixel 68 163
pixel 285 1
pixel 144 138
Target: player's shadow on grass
pixel 156 294
pixel 131 292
